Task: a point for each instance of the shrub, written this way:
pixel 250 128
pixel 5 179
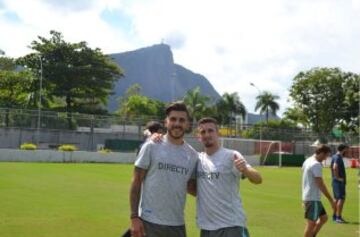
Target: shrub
pixel 28 146
pixel 104 151
pixel 67 147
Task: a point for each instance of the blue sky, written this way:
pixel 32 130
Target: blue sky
pixel 231 42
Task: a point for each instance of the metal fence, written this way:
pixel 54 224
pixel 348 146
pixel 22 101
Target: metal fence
pixel 86 131
pixel 89 132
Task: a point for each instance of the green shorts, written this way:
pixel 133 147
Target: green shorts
pixel 235 231
pixel 313 210
pixel 155 230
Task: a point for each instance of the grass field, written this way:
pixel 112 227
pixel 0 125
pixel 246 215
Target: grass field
pixel 78 200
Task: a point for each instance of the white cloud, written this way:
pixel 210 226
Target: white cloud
pixel 265 42
pixel 38 18
pixel 232 42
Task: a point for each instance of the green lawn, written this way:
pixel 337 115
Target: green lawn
pixel 58 200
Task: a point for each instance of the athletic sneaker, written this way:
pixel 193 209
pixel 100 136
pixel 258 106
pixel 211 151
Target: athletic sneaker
pixel 340 220
pixel 334 217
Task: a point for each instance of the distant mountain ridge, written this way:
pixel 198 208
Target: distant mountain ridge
pixel 153 68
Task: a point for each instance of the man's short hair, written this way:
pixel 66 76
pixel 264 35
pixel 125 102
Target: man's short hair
pixel 207 120
pixel 342 147
pixel 177 106
pixel 322 148
pixel 154 126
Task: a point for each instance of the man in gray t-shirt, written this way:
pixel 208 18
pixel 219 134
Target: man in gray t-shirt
pixel 159 186
pixel 219 207
pixel 312 185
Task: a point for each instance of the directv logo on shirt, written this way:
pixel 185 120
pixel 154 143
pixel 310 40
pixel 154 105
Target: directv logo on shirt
pixel 208 175
pixel 173 168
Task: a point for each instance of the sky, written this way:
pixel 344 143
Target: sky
pixel 231 42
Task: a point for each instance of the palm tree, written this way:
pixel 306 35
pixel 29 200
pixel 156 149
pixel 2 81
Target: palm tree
pixel 266 103
pixel 196 103
pixel 230 105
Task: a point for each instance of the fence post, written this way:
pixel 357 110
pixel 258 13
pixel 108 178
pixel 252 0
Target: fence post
pixel 92 117
pixel 280 155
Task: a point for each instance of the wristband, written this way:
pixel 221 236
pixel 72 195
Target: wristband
pixel 134 215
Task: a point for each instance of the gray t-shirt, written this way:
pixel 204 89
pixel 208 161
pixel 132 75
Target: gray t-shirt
pixel 218 201
pixel 311 169
pixel 169 168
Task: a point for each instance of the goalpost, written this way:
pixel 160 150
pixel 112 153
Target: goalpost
pixel 256 152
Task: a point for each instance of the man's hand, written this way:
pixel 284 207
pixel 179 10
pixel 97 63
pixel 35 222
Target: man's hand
pixel 249 172
pixel 137 227
pixel 156 137
pixel 240 163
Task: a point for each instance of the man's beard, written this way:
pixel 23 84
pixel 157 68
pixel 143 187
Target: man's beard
pixel 208 144
pixel 179 135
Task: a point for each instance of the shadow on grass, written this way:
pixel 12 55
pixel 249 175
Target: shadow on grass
pixel 347 223
pixel 351 223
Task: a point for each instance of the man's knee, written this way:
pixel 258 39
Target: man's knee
pixel 310 224
pixel 323 219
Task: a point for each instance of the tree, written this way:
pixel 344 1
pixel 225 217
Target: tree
pixel 267 104
pixel 160 109
pixel 328 97
pixel 350 120
pixel 14 86
pixel 72 71
pixel 283 130
pixel 138 106
pixel 297 116
pixel 229 106
pixel 196 103
pixel 7 64
pixel 134 105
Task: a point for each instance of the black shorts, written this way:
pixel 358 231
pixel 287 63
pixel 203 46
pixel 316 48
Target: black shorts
pixel 155 230
pixel 313 210
pixel 338 190
pixel 235 231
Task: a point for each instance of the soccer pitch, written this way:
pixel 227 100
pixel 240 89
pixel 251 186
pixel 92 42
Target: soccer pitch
pixel 85 200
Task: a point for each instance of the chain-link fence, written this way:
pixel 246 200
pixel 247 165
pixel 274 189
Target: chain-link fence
pixel 51 129
pixel 89 132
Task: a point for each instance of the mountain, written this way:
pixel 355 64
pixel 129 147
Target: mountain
pixel 153 68
pixel 251 118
